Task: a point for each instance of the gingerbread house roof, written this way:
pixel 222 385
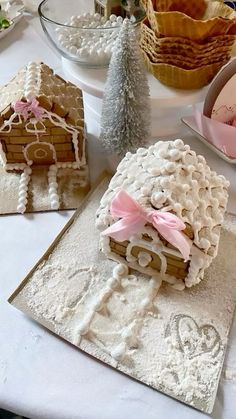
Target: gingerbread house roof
pixel 53 93
pixel 169 174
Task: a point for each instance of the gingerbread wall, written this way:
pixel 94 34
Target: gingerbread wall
pixel 175 265
pixel 14 141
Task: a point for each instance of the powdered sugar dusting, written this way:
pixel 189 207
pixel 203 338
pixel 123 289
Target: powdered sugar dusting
pixel 171 340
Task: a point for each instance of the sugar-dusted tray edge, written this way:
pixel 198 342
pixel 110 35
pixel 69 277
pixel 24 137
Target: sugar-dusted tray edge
pixel 46 255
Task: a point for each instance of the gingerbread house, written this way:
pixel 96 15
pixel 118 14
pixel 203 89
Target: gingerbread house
pixel 108 7
pixel 167 177
pixel 41 124
pixel 119 8
pixel 41 119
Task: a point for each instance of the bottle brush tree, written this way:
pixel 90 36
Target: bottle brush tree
pixel 125 120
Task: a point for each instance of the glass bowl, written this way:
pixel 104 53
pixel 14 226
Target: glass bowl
pixel 85 31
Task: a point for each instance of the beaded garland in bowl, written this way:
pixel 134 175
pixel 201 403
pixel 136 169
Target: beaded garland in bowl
pixel 78 33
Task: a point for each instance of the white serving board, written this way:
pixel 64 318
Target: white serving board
pixel 180 343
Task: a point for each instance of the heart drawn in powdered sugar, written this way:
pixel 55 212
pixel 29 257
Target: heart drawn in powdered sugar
pixel 192 339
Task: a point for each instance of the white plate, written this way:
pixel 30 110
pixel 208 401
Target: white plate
pixel 14 20
pixel 190 122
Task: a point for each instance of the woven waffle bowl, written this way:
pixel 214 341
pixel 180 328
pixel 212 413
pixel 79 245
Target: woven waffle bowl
pixel 181 78
pixel 194 9
pixel 178 44
pixel 181 62
pixel 217 19
pixel 183 52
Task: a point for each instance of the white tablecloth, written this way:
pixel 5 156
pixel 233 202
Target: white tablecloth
pixel 40 375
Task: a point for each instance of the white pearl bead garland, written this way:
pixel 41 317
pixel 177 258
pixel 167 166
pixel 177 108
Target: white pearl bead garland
pixel 23 190
pixel 32 80
pixel 88 46
pixel 52 183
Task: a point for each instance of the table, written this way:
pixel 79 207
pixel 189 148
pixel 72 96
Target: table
pixel 166 103
pixel 40 375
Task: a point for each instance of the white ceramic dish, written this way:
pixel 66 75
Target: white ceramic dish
pixel 190 122
pixel 14 18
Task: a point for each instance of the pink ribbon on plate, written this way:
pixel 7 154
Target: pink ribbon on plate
pixel 133 218
pixel 26 108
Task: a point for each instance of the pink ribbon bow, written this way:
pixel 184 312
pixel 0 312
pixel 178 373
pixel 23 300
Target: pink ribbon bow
pixel 26 108
pixel 133 218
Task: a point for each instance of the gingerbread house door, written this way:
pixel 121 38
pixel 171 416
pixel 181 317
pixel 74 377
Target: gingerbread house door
pixel 40 153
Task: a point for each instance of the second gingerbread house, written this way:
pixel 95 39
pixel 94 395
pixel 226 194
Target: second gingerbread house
pixel 165 191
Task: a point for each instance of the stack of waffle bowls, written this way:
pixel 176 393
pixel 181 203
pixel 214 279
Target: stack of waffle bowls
pixel 186 42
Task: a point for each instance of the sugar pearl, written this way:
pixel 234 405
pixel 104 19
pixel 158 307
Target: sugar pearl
pixel 174 155
pixel 170 167
pixel 21 208
pixel 162 153
pixel 54 197
pixel 120 270
pixel 22 200
pixel 52 191
pixel 194 183
pixel 189 205
pixel 201 159
pixel 190 168
pixel 165 183
pixel 119 20
pixel 187 147
pixel 178 143
pixel 200 167
pixel 158 198
pixel 177 207
pixel 185 187
pixel 119 352
pixel 113 283
pixel 55 204
pixel 53 184
pixel 204 243
pixel 22 194
pixel 113 18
